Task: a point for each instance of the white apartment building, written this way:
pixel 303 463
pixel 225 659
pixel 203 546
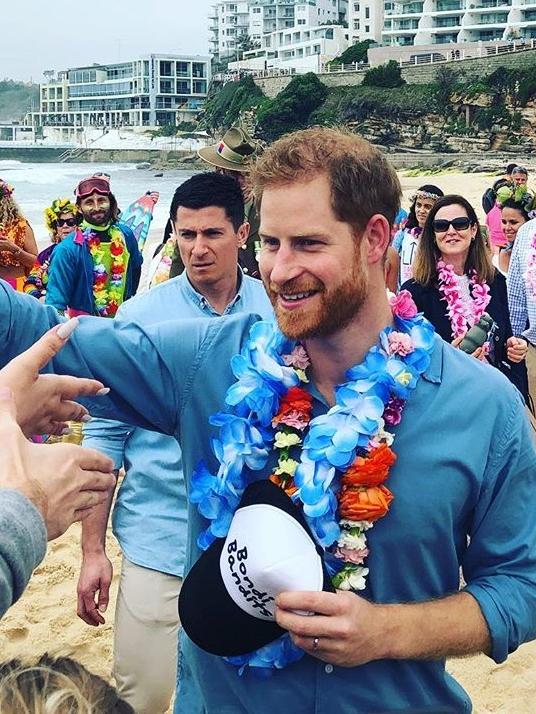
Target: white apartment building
pixel 231 21
pixel 428 22
pixel 301 49
pixel 266 16
pixel 153 90
pixel 365 19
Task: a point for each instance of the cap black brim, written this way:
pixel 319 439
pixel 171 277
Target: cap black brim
pixel 209 616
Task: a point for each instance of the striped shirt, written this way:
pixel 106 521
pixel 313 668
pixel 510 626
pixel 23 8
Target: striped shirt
pixel 521 303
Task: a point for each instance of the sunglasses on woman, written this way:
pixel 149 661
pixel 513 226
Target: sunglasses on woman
pixel 441 225
pixel 71 222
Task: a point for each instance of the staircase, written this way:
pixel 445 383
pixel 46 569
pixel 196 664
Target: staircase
pixel 71 155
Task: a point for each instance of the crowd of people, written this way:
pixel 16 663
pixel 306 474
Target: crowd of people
pixel 362 375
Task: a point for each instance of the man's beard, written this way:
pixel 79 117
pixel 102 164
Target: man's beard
pixel 98 221
pixel 336 308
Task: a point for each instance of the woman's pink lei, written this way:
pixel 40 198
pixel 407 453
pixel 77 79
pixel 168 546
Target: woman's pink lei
pixel 461 315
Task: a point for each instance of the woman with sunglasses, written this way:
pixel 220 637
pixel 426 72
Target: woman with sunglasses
pixel 18 248
pixel 61 219
pixel 454 283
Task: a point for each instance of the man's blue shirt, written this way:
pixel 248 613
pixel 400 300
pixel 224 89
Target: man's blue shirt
pixel 149 516
pixel 464 485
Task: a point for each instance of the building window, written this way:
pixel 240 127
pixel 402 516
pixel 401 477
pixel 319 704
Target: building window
pixel 198 69
pixel 166 86
pixel 165 69
pixel 199 86
pixel 183 86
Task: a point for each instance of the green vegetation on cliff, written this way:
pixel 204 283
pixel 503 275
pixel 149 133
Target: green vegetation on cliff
pixel 224 107
pixel 16 99
pixel 292 108
pixel 386 75
pixel 355 53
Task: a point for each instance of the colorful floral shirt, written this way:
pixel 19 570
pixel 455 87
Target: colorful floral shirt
pixel 16 233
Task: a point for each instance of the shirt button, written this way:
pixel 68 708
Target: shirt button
pixel 328 669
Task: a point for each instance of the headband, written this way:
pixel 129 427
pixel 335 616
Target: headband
pixel 59 206
pixel 424 194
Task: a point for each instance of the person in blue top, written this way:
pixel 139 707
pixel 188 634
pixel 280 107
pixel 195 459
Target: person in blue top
pixel 149 517
pixel 98 266
pixel 463 486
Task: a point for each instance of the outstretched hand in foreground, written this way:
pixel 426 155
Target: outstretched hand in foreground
pixel 64 482
pixel 44 402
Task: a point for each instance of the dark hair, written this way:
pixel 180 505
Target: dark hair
pixel 210 189
pixel 424 267
pixel 517 206
pixel 500 183
pixel 412 221
pixel 114 208
pixel 520 170
pixel 510 168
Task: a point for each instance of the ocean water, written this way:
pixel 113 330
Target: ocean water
pixel 37 185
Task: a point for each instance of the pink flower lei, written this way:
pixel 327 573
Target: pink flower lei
pixel 460 314
pixel 530 274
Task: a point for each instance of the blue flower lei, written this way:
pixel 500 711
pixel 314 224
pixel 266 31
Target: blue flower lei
pixel 246 438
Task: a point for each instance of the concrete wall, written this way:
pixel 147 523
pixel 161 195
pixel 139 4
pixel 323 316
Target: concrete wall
pixel 420 74
pixel 37 154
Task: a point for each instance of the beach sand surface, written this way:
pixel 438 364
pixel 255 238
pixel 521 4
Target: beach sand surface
pixel 45 617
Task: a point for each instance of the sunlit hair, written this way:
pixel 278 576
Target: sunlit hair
pixel 56 685
pixel 363 183
pixel 478 259
pixel 9 210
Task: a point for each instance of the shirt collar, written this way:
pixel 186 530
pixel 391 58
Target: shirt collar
pixel 201 300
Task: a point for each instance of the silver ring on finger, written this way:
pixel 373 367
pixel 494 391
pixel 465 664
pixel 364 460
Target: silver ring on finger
pixel 316 640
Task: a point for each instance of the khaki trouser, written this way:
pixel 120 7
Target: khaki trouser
pixel 145 639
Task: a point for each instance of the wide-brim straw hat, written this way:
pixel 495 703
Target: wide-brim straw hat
pixel 234 152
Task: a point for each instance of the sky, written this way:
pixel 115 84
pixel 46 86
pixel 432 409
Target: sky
pixel 38 35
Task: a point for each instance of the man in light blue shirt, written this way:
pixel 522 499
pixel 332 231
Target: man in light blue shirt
pixel 149 517
pixel 464 482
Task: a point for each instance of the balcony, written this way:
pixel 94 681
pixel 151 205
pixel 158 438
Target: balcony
pixel 450 5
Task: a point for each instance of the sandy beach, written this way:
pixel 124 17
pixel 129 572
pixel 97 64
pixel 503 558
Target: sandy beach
pixel 45 617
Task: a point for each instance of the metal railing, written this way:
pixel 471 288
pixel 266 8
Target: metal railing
pixel 454 55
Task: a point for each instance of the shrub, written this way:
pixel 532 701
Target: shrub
pixel 387 75
pixel 224 107
pixel 355 53
pixel 292 108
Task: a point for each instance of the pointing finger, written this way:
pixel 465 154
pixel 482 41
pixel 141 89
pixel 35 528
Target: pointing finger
pixel 39 355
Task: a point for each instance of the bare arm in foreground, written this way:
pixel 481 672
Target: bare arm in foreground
pixel 352 631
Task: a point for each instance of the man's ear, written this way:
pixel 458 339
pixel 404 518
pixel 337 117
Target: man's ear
pixel 378 236
pixel 243 234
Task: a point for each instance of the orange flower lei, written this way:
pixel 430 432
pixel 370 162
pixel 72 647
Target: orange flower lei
pixel 362 498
